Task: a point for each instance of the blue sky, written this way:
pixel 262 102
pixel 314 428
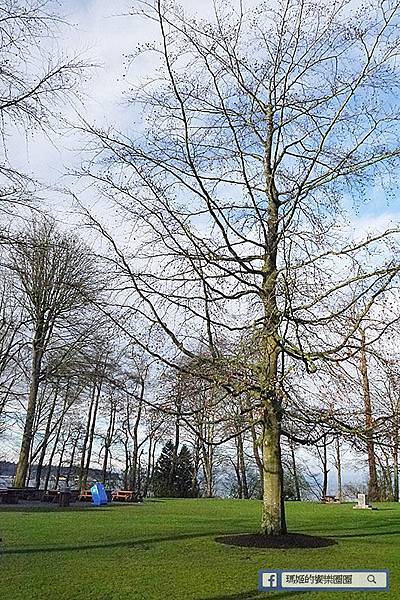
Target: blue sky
pixel 103 32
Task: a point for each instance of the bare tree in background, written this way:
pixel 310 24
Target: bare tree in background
pixel 11 346
pixel 261 128
pixel 33 84
pixel 54 277
pixel 63 385
pixel 392 389
pixel 373 488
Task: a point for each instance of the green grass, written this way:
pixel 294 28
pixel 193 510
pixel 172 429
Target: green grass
pixel 165 550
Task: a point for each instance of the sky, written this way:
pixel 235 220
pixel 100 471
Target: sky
pixel 103 32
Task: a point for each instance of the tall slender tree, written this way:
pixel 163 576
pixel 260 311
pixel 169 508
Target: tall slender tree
pixel 54 277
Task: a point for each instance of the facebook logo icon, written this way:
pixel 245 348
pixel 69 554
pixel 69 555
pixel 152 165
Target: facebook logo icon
pixel 269 579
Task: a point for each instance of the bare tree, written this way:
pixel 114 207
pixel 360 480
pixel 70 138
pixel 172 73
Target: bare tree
pixel 98 371
pixel 33 84
pixel 373 491
pixel 11 347
pixel 54 277
pixel 109 436
pixel 259 127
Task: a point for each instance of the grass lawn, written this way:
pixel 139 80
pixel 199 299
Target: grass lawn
pixel 165 550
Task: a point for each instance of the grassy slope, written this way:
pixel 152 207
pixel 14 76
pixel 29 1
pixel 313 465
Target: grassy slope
pixel 165 550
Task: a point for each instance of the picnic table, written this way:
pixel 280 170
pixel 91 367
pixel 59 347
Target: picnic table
pixel 50 496
pixel 31 493
pixel 329 499
pixel 126 496
pixel 85 496
pixel 62 497
pixel 9 496
pixel 123 496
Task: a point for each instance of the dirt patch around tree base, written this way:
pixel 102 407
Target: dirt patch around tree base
pixel 290 540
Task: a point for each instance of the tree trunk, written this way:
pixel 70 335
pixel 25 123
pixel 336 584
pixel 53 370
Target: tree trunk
pixel 153 458
pixel 257 454
pixel 148 469
pixel 325 470
pixel 138 485
pixel 373 488
pixel 91 435
pixel 209 480
pixel 207 464
pixel 396 471
pixel 36 424
pixel 127 462
pixel 395 455
pixel 50 463
pixel 295 474
pixel 390 492
pixel 196 464
pixel 242 468
pixel 176 442
pixel 238 478
pixel 45 441
pixel 135 440
pixel 82 477
pixel 273 515
pixel 339 470
pixel 108 440
pixel 59 466
pixel 23 460
pixel 71 462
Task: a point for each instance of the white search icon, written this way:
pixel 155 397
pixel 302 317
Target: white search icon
pixel 371 579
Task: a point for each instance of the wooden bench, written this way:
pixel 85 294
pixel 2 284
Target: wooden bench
pixel 123 496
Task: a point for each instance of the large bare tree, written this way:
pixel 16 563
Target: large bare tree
pixel 260 129
pixel 54 278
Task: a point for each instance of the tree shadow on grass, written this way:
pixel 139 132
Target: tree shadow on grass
pixel 343 536
pixel 104 545
pixel 375 529
pixel 144 543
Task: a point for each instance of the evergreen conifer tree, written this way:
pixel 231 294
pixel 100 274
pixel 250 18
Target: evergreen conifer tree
pixel 173 480
pixel 163 478
pixel 184 472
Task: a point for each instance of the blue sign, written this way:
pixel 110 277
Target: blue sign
pixel 99 496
